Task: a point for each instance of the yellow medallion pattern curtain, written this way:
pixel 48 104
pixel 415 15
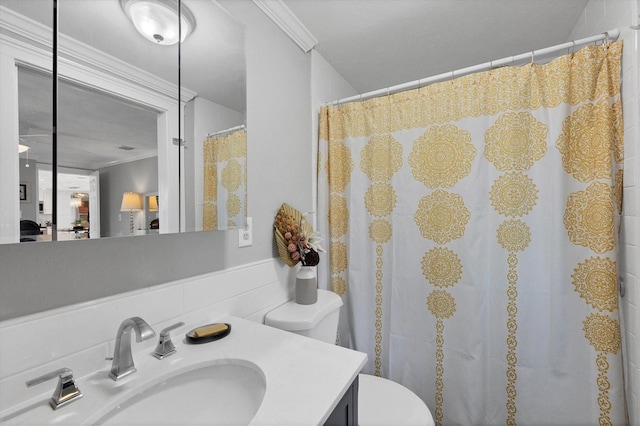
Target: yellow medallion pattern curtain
pixel 473 230
pixel 225 181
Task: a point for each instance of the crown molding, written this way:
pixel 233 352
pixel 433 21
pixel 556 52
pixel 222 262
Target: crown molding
pixel 288 22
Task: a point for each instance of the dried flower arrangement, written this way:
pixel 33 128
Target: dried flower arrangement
pixel 296 240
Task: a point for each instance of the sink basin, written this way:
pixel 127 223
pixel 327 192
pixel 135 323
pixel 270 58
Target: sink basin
pixel 256 376
pixel 214 394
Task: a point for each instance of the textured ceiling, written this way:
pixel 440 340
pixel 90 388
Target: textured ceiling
pixel 92 126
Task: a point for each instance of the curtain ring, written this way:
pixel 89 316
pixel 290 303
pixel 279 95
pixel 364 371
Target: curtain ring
pixel 453 75
pixel 532 57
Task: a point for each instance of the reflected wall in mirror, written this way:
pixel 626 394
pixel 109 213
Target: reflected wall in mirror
pixel 225 180
pixel 116 92
pixel 219 106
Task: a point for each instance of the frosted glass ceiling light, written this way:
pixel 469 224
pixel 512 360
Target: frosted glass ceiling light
pixel 157 20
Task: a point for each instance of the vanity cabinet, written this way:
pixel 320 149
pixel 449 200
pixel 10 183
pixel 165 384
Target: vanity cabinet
pixel 346 412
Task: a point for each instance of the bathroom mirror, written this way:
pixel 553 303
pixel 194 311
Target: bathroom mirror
pixel 119 112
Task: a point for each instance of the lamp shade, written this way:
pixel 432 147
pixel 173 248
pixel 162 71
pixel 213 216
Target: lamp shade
pixel 131 202
pixel 157 20
pixel 153 203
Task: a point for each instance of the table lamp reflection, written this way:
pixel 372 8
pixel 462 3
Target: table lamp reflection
pixel 131 202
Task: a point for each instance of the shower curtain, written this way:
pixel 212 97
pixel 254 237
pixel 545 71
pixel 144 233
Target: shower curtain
pixel 225 181
pixel 473 230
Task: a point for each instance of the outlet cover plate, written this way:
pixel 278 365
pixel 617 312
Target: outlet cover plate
pixel 245 235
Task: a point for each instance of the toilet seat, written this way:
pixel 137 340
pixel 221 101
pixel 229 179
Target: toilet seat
pixel 384 402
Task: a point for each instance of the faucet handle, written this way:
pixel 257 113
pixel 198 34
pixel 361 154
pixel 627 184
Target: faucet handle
pixel 165 346
pixel 66 390
pixel 166 331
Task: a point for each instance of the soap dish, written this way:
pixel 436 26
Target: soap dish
pixel 208 333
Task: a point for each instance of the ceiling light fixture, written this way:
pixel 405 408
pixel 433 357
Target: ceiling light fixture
pixel 157 20
pixel 24 148
pixel 76 199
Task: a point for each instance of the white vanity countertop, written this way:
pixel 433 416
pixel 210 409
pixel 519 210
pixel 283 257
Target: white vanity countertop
pixel 305 378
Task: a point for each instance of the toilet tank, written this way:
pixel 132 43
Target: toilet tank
pixel 318 321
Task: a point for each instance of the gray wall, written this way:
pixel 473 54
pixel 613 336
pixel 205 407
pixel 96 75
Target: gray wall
pixel 42 276
pixel 29 175
pixel 137 176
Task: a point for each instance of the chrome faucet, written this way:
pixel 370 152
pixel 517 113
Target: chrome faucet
pixel 122 359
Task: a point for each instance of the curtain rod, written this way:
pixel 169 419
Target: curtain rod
pixel 541 53
pixel 229 130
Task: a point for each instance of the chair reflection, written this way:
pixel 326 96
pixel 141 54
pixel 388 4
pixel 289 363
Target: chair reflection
pixel 28 230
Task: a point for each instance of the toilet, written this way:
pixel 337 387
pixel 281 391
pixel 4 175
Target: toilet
pixel 380 401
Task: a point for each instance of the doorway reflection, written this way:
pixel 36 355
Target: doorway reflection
pixel 76 210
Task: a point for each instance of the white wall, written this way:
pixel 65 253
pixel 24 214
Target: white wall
pixel 600 16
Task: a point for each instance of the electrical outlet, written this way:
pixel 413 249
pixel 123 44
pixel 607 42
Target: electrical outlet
pixel 245 235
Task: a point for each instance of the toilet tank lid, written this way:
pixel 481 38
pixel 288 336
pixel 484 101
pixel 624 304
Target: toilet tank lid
pixel 295 317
